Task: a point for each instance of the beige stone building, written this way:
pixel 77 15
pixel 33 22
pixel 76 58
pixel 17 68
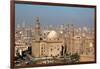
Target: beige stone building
pixel 49 47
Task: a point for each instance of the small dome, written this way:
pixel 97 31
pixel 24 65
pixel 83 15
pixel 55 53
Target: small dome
pixel 52 35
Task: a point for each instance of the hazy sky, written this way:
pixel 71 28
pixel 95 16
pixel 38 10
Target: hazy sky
pixel 54 15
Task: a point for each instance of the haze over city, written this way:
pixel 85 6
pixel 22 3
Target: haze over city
pixel 54 15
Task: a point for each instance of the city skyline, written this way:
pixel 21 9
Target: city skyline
pixel 53 34
pixel 53 46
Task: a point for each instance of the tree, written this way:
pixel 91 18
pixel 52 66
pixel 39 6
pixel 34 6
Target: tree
pixel 75 57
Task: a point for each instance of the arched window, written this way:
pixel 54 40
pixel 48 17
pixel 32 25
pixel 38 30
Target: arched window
pixel 51 49
pixel 62 49
pixel 51 55
pixel 41 39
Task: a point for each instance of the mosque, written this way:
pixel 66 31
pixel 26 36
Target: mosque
pixel 48 43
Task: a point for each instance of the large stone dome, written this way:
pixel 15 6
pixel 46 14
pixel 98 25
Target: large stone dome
pixel 52 35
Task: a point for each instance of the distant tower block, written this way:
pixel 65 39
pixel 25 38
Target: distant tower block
pixel 23 24
pixel 18 25
pixel 37 26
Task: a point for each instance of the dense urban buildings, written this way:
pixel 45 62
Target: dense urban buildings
pixel 39 44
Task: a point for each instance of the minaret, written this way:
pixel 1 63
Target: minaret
pixel 37 26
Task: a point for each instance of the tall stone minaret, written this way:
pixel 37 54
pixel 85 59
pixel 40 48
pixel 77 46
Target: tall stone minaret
pixel 37 26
